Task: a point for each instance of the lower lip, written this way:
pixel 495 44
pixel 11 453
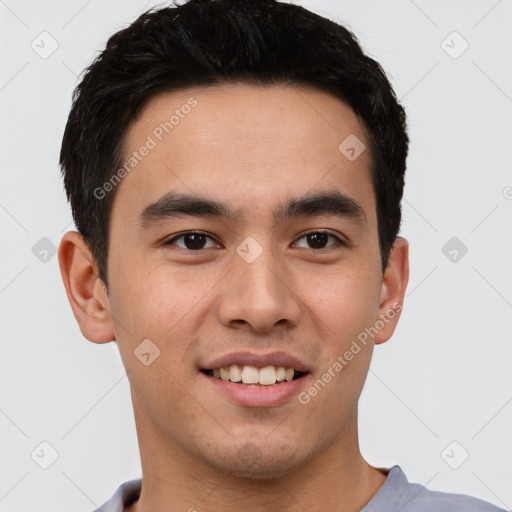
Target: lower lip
pixel 258 396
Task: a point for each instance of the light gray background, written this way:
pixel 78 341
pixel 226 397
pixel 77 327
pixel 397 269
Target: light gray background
pixel 445 375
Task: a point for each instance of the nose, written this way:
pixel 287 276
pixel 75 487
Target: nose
pixel 260 295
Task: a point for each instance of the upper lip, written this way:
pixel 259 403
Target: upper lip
pixel 259 360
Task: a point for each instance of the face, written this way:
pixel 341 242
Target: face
pixel 284 273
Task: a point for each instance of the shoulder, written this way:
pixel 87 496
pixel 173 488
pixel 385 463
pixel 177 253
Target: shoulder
pixel 417 498
pixel 125 495
pixel 398 493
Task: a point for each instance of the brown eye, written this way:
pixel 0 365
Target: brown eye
pixel 319 239
pixel 191 240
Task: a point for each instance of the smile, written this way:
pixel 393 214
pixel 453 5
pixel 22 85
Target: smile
pixel 254 376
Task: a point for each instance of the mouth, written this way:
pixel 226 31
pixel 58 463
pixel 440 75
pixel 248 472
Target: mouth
pixel 252 379
pixel 253 376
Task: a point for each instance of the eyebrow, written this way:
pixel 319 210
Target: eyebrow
pixel 174 204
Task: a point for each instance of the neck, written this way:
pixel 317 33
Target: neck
pixel 338 479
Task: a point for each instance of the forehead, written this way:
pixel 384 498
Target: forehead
pixel 246 143
pixel 244 111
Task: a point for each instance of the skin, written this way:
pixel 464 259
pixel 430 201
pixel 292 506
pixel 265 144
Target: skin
pixel 252 147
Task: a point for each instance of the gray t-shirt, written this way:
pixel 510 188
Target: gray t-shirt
pixel 396 494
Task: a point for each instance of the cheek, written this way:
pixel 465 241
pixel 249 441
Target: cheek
pixel 159 306
pixel 344 301
pixel 344 305
pixel 159 301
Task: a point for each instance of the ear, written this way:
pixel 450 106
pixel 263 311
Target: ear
pixel 394 284
pixel 85 290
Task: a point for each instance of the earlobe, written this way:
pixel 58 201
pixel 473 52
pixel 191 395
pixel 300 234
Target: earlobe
pixel 393 289
pixel 85 290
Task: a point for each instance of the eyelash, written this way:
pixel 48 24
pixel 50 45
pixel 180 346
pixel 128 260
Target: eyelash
pixel 338 240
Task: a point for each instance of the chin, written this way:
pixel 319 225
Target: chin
pixel 259 461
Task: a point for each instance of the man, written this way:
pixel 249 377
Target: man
pixel 235 170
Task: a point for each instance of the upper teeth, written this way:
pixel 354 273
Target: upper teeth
pixel 252 375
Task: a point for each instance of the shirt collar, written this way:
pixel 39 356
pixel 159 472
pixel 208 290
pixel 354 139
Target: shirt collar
pixel 384 499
